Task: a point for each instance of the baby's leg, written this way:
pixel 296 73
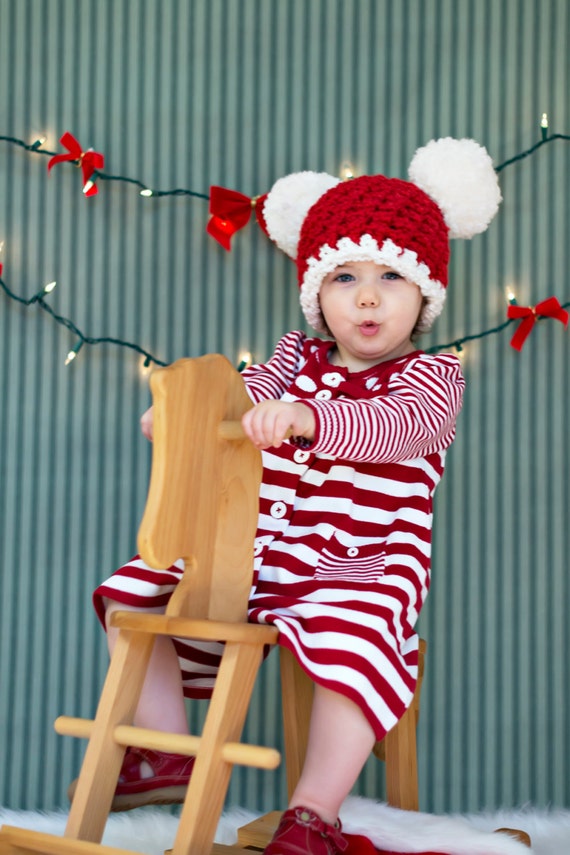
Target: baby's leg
pixel 340 742
pixel 161 704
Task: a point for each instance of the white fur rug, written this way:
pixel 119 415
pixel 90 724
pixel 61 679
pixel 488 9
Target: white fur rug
pixel 151 831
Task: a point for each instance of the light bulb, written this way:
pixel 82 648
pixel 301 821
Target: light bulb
pixel 460 351
pixel 38 141
pixel 346 170
pixel 245 359
pixel 73 352
pixel 145 366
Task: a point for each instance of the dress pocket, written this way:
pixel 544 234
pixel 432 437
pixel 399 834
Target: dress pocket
pixel 351 563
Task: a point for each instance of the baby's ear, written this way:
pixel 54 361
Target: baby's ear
pixel 418 329
pixel 324 328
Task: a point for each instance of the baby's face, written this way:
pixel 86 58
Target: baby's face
pixel 371 312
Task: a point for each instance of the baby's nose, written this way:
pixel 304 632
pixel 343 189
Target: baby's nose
pixel 368 297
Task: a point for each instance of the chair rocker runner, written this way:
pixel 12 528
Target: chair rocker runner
pixel 202 506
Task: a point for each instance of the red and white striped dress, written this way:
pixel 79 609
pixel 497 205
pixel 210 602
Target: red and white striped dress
pixel 342 553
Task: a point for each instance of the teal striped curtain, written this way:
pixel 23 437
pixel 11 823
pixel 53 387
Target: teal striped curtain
pixel 183 94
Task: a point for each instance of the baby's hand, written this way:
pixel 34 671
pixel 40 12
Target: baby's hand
pixel 147 420
pixel 270 422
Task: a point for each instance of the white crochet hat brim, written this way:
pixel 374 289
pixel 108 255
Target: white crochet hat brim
pixel 403 261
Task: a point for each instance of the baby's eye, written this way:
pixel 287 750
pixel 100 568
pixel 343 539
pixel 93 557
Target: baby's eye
pixel 391 274
pixel 344 277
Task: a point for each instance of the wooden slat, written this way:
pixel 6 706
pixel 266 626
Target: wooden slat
pixel 208 783
pixel 102 762
pixel 297 701
pixel 258 833
pixel 230 430
pixel 245 633
pixel 238 753
pixel 14 840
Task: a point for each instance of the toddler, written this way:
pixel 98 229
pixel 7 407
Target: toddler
pixel 342 552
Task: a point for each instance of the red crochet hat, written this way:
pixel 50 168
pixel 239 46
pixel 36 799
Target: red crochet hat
pixel 323 222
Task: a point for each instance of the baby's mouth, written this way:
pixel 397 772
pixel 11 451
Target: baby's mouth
pixel 369 328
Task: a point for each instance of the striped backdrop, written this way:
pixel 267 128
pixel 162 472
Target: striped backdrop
pixel 189 93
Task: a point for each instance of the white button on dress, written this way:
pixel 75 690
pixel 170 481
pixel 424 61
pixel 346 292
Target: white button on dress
pixel 278 510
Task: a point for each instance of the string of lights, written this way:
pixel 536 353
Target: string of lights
pixel 96 175
pixel 38 299
pixel 458 343
pixel 89 161
pixel 146 191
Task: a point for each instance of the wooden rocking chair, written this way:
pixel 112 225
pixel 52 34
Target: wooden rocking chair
pixel 202 506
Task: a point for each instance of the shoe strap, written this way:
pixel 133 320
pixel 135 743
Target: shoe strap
pixel 309 819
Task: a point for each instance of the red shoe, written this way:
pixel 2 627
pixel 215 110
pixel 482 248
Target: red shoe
pixel 166 786
pixel 302 832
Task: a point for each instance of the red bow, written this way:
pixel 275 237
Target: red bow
pixel 549 308
pixel 89 161
pixel 230 212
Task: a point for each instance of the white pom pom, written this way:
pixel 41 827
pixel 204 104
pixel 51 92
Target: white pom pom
pixel 459 176
pixel 288 203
